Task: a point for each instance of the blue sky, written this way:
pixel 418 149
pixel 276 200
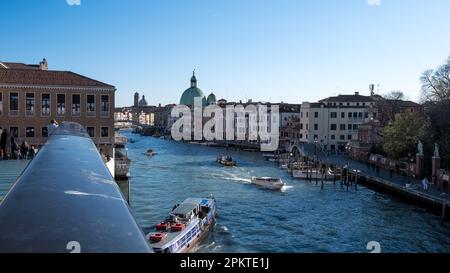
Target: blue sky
pixel 267 50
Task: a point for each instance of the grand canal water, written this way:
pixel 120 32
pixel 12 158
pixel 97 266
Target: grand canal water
pixel 301 218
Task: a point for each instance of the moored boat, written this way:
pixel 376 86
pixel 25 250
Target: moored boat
pixel 186 225
pixel 313 173
pixel 226 160
pixel 150 152
pixel 269 182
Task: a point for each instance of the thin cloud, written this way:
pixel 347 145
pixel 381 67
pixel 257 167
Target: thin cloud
pixel 373 2
pixel 73 2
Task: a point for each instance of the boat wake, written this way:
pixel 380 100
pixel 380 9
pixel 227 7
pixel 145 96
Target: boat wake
pixel 286 188
pixel 238 179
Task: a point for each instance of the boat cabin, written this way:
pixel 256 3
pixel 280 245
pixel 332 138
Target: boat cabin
pixel 191 207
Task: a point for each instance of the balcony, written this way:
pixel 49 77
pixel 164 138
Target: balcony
pixel 90 113
pixel 13 112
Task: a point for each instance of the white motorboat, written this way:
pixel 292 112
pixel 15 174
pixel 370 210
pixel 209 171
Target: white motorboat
pixel 268 182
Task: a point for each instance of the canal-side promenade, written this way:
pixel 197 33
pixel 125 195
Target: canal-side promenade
pixel 384 175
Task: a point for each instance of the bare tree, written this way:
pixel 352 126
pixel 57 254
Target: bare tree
pixel 436 83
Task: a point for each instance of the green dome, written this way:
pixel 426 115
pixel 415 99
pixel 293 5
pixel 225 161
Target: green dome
pixel 188 96
pixel 211 99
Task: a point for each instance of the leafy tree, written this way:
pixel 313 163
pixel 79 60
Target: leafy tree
pixel 401 136
pixel 439 115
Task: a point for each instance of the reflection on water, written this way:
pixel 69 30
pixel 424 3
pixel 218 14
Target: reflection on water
pixel 124 186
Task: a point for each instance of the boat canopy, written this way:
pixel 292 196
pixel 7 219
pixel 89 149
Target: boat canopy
pixel 185 209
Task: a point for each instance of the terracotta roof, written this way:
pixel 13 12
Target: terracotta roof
pixel 29 76
pixel 4 65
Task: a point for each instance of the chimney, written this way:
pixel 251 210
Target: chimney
pixel 43 65
pixel 356 93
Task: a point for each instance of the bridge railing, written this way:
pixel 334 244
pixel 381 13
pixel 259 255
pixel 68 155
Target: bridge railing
pixel 66 201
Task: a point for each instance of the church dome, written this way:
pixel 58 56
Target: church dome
pixel 143 101
pixel 211 99
pixel 191 93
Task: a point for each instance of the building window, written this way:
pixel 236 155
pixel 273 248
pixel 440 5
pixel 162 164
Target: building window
pixel 29 103
pixel 105 132
pixel 355 114
pixel 45 104
pixel 29 132
pixel 14 131
pixel 342 127
pixel 75 105
pixel 307 114
pixel 333 127
pixel 343 115
pixel 333 114
pixel 349 137
pixel 14 104
pixel 349 127
pixel 301 114
pixel 105 106
pixel 60 104
pixel 301 126
pixel 349 114
pixel 91 131
pixel 44 132
pixel 1 104
pixel 316 127
pixel 366 115
pixel 333 137
pixel 301 136
pixel 307 126
pixel 342 137
pixel 360 115
pixel 90 105
pixel 316 114
pixel 355 127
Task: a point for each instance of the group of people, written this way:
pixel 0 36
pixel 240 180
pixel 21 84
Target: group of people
pixel 10 148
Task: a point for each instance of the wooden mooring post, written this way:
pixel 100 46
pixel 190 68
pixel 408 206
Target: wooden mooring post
pixel 444 207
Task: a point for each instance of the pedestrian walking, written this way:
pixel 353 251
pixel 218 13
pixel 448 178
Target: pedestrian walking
pixel 52 127
pixel 425 183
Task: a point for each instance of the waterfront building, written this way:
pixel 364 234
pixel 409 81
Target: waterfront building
pixel 333 123
pixel 369 134
pixel 32 95
pixel 289 125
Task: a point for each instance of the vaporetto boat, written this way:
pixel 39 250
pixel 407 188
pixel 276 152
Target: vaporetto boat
pixel 186 225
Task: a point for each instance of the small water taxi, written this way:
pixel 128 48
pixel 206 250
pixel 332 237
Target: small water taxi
pixel 268 182
pixel 185 226
pixel 226 160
